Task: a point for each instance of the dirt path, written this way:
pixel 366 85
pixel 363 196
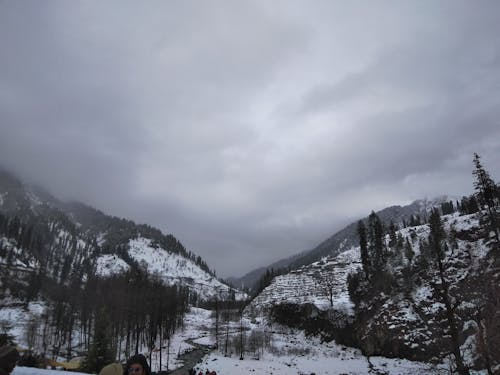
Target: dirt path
pixel 191 358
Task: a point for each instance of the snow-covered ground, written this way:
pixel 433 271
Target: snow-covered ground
pixel 289 352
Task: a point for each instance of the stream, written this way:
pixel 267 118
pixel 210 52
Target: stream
pixel 191 359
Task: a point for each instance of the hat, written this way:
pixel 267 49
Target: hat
pixel 112 369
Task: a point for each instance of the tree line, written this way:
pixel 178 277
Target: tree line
pixel 47 258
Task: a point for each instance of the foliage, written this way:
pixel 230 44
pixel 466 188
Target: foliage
pixel 6 339
pixel 29 359
pixel 489 201
pixel 101 350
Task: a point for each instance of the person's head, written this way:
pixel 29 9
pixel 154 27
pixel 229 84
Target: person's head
pixel 137 365
pixel 112 369
pixel 8 358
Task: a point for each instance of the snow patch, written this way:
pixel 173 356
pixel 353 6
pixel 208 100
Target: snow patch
pixel 109 265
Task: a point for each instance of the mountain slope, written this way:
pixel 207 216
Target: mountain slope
pixel 342 240
pixel 59 239
pixel 400 311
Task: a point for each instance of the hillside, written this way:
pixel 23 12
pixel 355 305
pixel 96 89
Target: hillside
pixel 342 240
pixel 398 312
pixel 82 240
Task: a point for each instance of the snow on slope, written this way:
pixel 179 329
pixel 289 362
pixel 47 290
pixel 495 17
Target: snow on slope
pixel 169 267
pixel 19 261
pixel 109 265
pixel 301 286
pixel 15 317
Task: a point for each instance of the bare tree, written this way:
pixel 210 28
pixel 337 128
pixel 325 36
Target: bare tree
pixel 326 282
pixel 31 332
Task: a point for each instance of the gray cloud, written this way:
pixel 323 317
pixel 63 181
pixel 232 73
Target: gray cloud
pixel 250 131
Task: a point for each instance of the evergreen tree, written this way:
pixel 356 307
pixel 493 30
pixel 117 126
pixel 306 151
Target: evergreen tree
pixel 408 249
pixel 376 242
pixel 363 245
pixel 437 246
pixel 468 205
pixel 447 208
pixel 486 192
pixel 101 352
pixel 393 228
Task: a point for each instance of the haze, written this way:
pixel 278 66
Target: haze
pixel 249 130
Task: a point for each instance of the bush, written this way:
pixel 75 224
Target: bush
pixel 28 359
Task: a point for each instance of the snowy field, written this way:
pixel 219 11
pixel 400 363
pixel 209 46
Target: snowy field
pixel 321 360
pixel 289 353
pixel 233 366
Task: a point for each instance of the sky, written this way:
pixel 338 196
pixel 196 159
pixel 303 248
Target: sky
pixel 250 130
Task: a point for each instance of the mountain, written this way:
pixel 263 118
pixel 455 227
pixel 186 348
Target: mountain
pixel 342 240
pixel 71 238
pixel 322 283
pixel 420 301
pixel 425 288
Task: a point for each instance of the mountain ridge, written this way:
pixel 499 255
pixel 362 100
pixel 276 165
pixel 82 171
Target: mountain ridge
pixel 340 240
pixel 84 227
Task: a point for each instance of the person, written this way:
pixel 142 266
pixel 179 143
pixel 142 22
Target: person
pixel 137 365
pixel 112 369
pixel 8 359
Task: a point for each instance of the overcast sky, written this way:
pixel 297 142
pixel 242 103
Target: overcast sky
pixel 250 130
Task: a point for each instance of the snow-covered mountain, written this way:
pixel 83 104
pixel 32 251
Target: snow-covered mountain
pixel 405 316
pixel 411 302
pixel 66 240
pixel 322 283
pixel 344 239
pixel 171 268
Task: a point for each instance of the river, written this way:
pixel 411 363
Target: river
pixel 192 358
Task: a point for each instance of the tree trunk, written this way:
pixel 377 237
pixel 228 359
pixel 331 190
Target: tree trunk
pixel 450 316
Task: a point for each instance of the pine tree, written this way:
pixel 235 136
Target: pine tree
pixel 408 249
pixel 101 352
pixel 437 245
pixel 363 245
pixel 447 208
pixel 393 228
pixel 486 191
pixel 376 242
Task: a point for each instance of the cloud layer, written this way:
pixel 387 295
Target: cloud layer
pixel 249 130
